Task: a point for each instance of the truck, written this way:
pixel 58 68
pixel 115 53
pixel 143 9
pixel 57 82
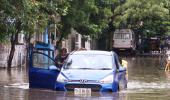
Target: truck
pixel 124 40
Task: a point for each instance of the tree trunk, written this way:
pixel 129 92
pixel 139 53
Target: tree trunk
pixel 59 41
pixel 28 47
pixel 12 51
pixel 111 41
pixel 13 40
pixel 110 37
pixel 11 56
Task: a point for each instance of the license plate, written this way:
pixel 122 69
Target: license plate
pixel 82 91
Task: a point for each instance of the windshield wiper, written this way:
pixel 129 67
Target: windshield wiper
pixel 91 68
pixel 96 68
pixel 84 68
pixel 104 68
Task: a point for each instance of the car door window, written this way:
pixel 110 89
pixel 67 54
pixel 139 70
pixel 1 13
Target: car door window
pixel 42 61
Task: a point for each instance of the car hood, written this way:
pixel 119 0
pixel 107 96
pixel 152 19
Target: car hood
pixel 86 74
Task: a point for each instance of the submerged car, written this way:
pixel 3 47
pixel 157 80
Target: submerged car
pixel 92 71
pixel 83 71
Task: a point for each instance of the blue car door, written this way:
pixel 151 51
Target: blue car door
pixel 42 71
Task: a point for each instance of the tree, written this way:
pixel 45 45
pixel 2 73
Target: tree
pixel 152 14
pixel 166 23
pixel 88 17
pixel 23 15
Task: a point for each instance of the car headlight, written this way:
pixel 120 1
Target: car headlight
pixel 61 78
pixel 108 79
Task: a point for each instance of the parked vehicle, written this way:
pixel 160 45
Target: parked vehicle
pixel 83 72
pixel 124 40
pixel 92 71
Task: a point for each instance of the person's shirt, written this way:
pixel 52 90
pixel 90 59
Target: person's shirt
pixel 60 59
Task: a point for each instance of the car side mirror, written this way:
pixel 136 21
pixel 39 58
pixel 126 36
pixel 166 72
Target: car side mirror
pixel 69 62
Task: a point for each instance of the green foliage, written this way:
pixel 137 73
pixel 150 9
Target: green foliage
pixel 32 14
pixel 88 17
pixel 153 14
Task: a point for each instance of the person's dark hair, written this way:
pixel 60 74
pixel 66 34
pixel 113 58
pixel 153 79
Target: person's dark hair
pixel 64 49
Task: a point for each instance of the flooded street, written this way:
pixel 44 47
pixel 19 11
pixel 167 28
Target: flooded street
pixel 146 82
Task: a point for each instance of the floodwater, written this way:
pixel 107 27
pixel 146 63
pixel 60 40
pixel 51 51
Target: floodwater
pixel 146 82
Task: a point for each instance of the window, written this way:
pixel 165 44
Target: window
pixel 42 61
pixel 117 36
pixel 126 36
pixel 121 35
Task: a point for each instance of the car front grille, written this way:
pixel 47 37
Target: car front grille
pixel 94 87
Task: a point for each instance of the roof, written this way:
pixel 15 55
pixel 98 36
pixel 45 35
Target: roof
pixel 97 52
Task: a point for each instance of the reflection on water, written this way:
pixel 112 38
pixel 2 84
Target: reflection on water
pixel 13 76
pixel 18 85
pixel 13 94
pixel 146 82
pixel 151 85
pixel 34 94
pixel 167 75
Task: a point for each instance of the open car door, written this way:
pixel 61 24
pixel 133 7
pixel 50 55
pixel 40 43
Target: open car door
pixel 42 70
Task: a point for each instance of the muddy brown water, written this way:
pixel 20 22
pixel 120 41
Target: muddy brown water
pixel 146 81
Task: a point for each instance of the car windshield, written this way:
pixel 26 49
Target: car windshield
pixel 89 61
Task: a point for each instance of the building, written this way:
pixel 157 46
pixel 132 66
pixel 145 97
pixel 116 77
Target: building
pixel 74 41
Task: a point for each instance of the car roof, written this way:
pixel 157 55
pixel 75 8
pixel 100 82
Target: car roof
pixel 94 52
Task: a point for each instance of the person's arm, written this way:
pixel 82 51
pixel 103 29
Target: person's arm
pixel 58 61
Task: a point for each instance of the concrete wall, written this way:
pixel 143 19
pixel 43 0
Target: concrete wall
pixel 4 52
pixel 19 55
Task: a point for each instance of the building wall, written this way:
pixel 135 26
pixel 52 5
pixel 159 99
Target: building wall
pixel 19 55
pixel 4 52
pixel 88 43
pixel 75 41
